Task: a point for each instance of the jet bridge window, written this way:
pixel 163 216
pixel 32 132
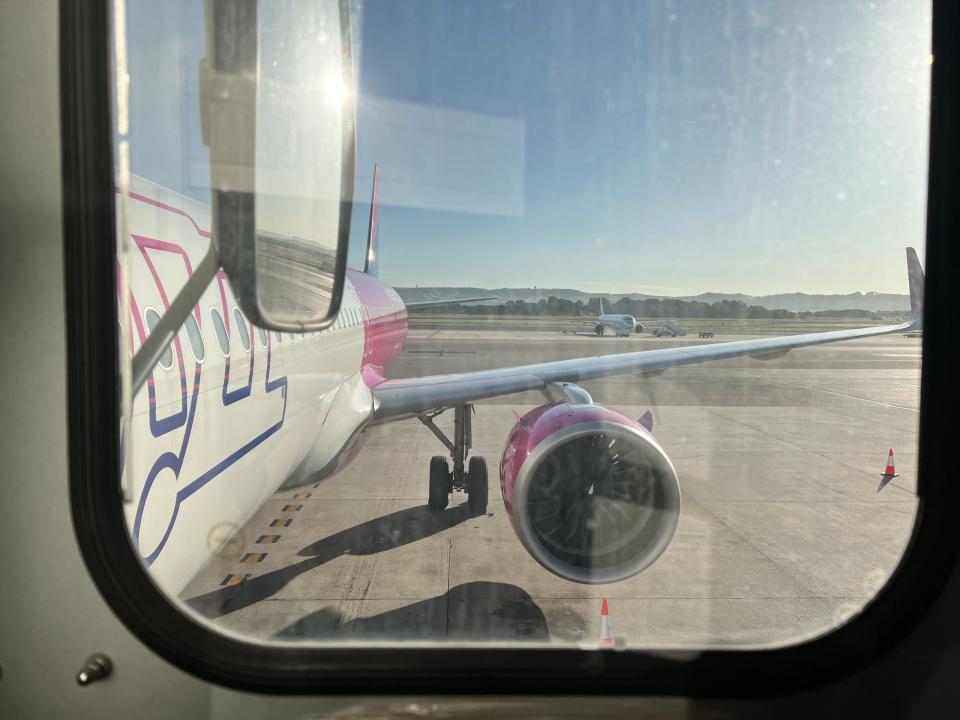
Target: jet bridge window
pixel 522 479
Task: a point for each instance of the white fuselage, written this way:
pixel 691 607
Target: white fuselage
pixel 227 418
pixel 620 324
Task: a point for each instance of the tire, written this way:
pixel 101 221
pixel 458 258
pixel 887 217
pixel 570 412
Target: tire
pixel 439 483
pixel 477 486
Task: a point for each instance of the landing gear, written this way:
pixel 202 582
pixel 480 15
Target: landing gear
pixel 598 329
pixel 470 478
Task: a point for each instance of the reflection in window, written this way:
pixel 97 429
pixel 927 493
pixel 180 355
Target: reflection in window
pixel 153 318
pixel 221 331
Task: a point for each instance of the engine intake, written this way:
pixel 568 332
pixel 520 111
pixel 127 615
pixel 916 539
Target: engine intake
pixel 591 494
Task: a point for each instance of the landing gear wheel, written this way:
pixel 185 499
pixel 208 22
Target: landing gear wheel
pixel 439 483
pixel 477 486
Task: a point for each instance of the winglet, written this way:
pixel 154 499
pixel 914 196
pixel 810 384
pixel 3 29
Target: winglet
pixel 371 265
pixel 915 277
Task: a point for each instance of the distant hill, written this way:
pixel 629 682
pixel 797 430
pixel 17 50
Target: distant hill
pixel 798 302
pixel 795 302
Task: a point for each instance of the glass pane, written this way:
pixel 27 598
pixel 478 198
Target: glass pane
pixel 196 338
pixel 242 329
pixel 222 338
pixel 166 358
pixel 620 187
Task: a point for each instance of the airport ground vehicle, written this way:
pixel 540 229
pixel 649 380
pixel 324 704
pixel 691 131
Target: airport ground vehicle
pixel 51 627
pixel 705 334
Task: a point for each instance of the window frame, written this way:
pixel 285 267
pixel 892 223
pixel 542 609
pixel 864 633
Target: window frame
pixel 93 427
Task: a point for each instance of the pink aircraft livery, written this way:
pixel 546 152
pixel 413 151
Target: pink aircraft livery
pixel 233 413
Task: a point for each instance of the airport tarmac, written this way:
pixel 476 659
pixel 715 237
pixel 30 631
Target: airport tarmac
pixel 782 534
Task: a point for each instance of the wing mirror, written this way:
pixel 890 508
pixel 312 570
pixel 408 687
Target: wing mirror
pixel 277 112
pixel 277 115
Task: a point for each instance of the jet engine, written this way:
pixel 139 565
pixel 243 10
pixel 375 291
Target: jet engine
pixel 591 494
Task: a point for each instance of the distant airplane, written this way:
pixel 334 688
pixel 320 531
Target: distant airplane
pixel 232 413
pixel 622 325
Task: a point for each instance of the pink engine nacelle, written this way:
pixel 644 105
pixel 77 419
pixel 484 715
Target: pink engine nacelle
pixel 591 494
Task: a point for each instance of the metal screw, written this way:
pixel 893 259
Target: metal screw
pixel 97 667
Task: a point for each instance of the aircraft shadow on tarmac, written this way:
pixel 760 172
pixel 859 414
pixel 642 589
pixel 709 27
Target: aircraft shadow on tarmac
pixel 373 536
pixel 473 611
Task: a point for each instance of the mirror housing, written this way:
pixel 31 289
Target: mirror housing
pixel 281 233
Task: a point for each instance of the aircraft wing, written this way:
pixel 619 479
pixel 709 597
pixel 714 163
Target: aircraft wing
pixel 394 399
pixel 452 301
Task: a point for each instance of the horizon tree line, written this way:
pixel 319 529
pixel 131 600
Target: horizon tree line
pixel 554 306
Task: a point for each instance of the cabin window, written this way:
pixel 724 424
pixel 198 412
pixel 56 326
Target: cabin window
pixel 220 329
pixel 195 337
pixel 166 358
pixel 700 164
pixel 242 328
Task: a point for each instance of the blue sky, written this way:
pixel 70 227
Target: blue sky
pixel 662 147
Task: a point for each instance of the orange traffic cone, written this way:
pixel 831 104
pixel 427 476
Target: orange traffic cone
pixel 889 473
pixel 606 637
pixel 890 470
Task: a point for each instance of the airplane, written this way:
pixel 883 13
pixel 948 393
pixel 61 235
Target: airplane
pixel 622 325
pixel 232 414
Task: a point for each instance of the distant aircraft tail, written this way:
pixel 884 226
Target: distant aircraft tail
pixel 915 278
pixel 601 305
pixel 371 265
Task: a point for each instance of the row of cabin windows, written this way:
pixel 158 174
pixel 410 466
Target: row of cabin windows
pixel 350 317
